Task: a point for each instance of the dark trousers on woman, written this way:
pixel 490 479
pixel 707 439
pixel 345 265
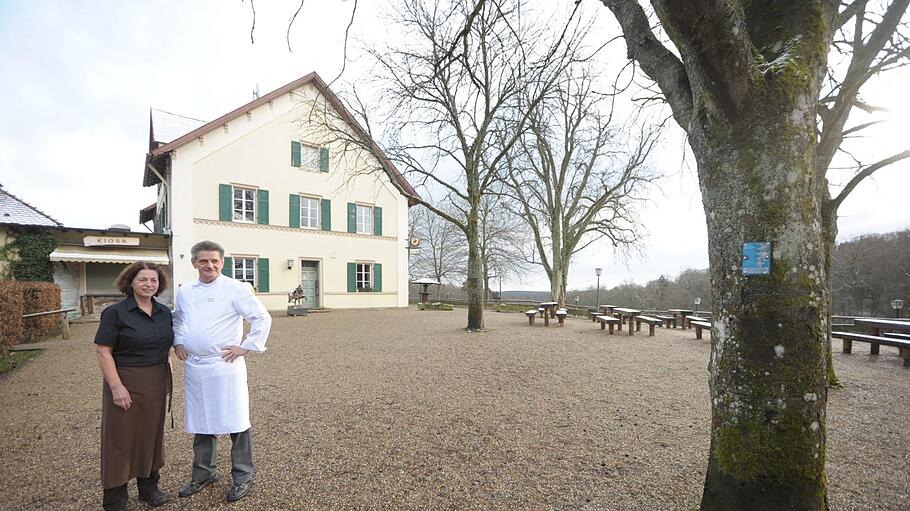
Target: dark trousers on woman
pixel 205 457
pixel 115 499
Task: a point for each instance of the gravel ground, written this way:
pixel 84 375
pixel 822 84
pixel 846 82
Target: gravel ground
pixel 402 409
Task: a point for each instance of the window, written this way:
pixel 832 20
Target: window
pixel 309 156
pixel 244 205
pixel 309 212
pixel 364 219
pixel 245 270
pixel 364 277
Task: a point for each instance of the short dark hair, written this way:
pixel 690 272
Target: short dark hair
pixel 124 282
pixel 205 246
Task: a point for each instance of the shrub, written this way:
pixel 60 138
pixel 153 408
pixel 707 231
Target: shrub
pixel 18 298
pixel 34 249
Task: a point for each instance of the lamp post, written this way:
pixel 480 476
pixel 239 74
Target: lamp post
pixel 597 300
pixel 897 305
pixel 697 302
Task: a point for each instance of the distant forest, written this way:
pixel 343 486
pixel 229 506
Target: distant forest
pixel 868 272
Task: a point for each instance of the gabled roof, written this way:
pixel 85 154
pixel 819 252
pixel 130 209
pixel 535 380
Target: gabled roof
pixel 14 210
pixel 166 127
pixel 311 78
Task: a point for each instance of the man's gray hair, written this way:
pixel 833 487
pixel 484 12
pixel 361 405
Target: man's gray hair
pixel 206 246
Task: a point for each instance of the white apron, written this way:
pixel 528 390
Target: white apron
pixel 208 317
pixel 216 397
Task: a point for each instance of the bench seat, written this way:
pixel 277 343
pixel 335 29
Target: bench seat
pixel 699 326
pixel 561 316
pixel 652 322
pixel 903 345
pixel 531 314
pixel 669 321
pixel 607 321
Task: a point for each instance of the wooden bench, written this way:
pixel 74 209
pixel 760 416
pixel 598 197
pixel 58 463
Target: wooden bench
pixel 698 326
pixel 669 321
pixel 561 316
pixel 64 322
pixel 652 322
pixel 593 313
pixel 531 315
pixel 607 320
pixel 874 340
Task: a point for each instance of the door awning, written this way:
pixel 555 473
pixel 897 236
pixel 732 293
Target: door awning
pixel 110 255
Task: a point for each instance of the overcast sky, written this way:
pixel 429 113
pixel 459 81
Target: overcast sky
pixel 80 77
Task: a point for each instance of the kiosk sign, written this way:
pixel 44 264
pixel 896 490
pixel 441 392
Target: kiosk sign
pixel 756 258
pixel 109 241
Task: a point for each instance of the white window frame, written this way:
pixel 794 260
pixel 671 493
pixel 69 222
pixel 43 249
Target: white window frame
pixel 312 164
pixel 318 218
pixel 363 276
pixel 244 269
pixel 365 227
pixel 243 210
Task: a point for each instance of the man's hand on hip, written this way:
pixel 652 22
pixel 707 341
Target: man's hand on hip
pixel 180 351
pixel 232 353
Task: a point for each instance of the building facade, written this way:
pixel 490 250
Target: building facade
pixel 285 198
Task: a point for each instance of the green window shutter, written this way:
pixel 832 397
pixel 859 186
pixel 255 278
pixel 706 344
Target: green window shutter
pixel 377 278
pixel 262 196
pixel 352 217
pixel 377 221
pixel 294 210
pixel 324 159
pixel 225 203
pixel 295 153
pixel 326 214
pixel 228 267
pixel 263 280
pixel 352 277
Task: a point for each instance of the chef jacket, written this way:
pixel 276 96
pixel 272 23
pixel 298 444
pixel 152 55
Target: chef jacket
pixel 208 317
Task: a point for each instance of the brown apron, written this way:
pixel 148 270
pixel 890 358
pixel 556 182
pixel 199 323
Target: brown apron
pixel 132 441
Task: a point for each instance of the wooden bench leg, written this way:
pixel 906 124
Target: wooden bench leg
pixel 603 325
pixel 697 332
pixel 562 321
pixel 611 328
pixel 848 346
pixel 651 330
pixel 65 326
pixel 905 354
pixel 546 319
pixel 873 348
pixel 631 328
pixel 531 320
pixel 638 326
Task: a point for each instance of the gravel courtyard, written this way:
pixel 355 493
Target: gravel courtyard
pixel 402 409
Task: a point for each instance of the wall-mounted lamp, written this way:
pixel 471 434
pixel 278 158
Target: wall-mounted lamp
pixel 290 263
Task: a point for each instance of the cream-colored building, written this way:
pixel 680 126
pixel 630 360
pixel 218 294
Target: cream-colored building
pixel 291 201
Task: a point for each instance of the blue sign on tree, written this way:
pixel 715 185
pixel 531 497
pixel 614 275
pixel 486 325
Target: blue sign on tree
pixel 757 258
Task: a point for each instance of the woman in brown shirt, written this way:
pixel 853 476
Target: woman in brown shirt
pixel 132 343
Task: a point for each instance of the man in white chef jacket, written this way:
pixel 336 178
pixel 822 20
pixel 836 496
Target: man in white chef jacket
pixel 208 337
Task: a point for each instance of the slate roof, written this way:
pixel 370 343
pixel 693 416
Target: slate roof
pixel 14 210
pixel 166 127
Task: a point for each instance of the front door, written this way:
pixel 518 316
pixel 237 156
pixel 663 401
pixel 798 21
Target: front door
pixel 309 280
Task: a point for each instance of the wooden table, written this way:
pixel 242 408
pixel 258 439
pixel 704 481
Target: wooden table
pixel 606 309
pixel 550 308
pixel 682 313
pixel 877 325
pixel 627 315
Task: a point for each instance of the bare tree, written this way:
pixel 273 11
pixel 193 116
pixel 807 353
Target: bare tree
pixel 502 242
pixel 744 80
pixel 571 181
pixel 443 251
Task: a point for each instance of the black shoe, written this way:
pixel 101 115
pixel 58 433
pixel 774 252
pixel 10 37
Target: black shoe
pixel 154 498
pixel 194 487
pixel 239 490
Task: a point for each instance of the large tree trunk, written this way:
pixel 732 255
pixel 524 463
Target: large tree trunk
pixel 475 285
pixel 768 364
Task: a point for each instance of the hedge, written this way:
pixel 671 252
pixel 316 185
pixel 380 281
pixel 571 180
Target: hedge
pixel 18 298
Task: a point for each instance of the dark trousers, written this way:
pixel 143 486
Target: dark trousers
pixel 205 457
pixel 116 498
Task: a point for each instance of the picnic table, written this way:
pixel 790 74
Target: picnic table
pixel 627 315
pixel 550 308
pixel 682 313
pixel 606 309
pixel 877 325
